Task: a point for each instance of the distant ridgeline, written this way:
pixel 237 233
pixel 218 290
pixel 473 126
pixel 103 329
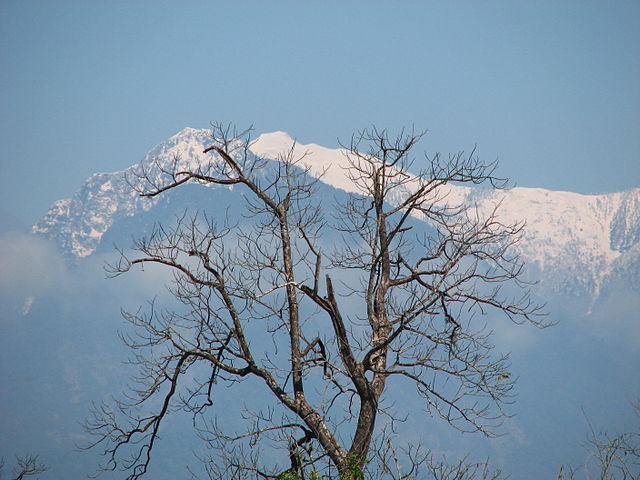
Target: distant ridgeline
pixel 574 244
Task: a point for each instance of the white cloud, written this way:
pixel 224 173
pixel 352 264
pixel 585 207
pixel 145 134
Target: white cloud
pixel 29 263
pixel 29 268
pixel 26 307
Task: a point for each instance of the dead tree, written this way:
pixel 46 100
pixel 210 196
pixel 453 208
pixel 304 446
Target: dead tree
pixel 611 457
pixel 236 282
pixel 26 466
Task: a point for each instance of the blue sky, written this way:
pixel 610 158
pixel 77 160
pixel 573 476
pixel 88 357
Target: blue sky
pixel 550 88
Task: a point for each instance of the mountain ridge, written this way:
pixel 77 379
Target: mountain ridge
pixel 574 241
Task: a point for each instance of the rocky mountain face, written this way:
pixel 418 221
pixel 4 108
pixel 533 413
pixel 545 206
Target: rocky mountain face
pixel 574 244
pixel 78 224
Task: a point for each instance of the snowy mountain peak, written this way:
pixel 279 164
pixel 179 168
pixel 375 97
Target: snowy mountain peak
pixel 78 224
pixel 575 240
pixel 272 144
pixel 322 162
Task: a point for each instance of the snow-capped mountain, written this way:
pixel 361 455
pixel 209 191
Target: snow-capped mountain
pixel 78 224
pixel 574 243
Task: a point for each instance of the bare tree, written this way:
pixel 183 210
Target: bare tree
pixel 612 457
pixel 26 466
pixel 419 295
pixel 387 463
